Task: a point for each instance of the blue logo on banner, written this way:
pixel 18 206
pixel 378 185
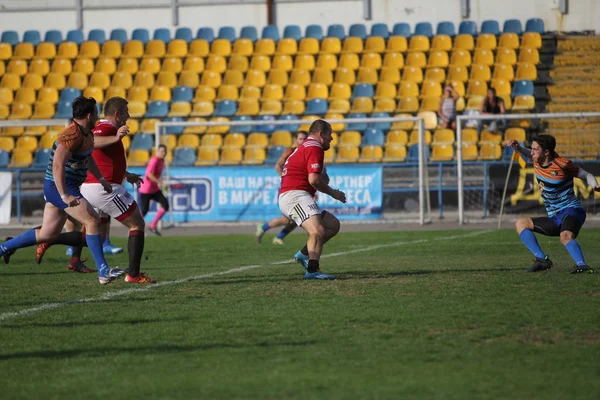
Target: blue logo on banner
pixel 192 195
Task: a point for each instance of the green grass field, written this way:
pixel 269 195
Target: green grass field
pixel 413 315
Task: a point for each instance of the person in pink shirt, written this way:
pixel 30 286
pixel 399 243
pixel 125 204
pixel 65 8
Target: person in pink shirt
pixel 150 188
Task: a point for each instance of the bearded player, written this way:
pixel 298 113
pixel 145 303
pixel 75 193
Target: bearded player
pixel 302 177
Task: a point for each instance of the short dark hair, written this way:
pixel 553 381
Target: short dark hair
pixel 493 90
pixel 546 142
pixel 319 126
pixel 301 133
pixel 83 106
pixel 113 105
pixel 162 146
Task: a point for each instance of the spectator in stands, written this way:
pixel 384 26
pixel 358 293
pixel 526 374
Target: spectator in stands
pixel 447 109
pixel 493 104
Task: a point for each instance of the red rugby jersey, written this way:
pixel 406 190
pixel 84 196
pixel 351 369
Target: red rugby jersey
pixel 111 159
pixel 305 160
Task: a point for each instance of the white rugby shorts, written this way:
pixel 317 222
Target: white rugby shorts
pixel 298 205
pixel 119 204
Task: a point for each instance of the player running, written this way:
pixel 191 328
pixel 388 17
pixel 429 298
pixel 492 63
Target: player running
pixel 301 178
pixel 150 188
pixel 566 216
pixel 261 229
pixel 69 164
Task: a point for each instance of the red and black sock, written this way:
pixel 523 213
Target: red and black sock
pixel 313 265
pixel 135 247
pixel 76 255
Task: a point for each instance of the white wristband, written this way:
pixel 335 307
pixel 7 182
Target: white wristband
pixel 64 196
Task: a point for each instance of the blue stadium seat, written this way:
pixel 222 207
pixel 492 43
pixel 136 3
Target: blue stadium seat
pixel 363 90
pixel 401 29
pixel 292 32
pixel 316 107
pixel 490 26
pixel 184 34
pixel 226 32
pixel 274 154
pixel 174 130
pixel 270 32
pixel 184 157
pixel 75 36
pixel 69 94
pixel 358 30
pixel 249 32
pixel 225 108
pixel 314 31
pixel 157 109
pixel 290 127
pixel 266 128
pixel 380 30
pixel 513 26
pixel 142 141
pixel 11 37
pixel 356 126
pixel 97 35
pixel 424 29
pixel 206 33
pixel 4 158
pixel 64 110
pixel 41 158
pixel 445 28
pixel 141 34
pixel 336 30
pixel 413 153
pixel 120 35
pixel 535 25
pixel 383 126
pixel 53 36
pixel 182 93
pixel 32 36
pixel 522 88
pixel 245 129
pixel 163 34
pixel 99 108
pixel 373 137
pixel 467 28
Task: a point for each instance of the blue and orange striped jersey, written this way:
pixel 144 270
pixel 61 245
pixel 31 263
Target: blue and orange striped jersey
pixel 556 184
pixel 81 146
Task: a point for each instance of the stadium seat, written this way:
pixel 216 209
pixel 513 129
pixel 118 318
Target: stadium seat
pixel 6 96
pixel 260 63
pixel 274 153
pixel 230 156
pixel 509 41
pixel 491 27
pixel 445 28
pixel 33 37
pixel 483 57
pixel 401 29
pixel 53 36
pixel 292 32
pixel 248 107
pixel 225 108
pixel 5 55
pixel 138 157
pixel 142 35
pixel 489 151
pixel 480 72
pixel 118 35
pixel 177 48
pixel 336 31
pixel 532 39
pixel 513 26
pixel 264 128
pixel 347 153
pixel 529 55
pixel 442 43
pixel 441 152
pixel 255 78
pixel 358 30
pixel 460 58
pixel 363 105
pixel 10 37
pixel 8 143
pixel 113 49
pixel 424 29
pixel 21 158
pixel 503 71
pixel 90 50
pixel 257 139
pixel 67 50
pixel 43 111
pixel 249 32
pixel 34 81
pixel 352 45
pixel 137 109
pixel 270 32
pixel 227 33
pixel 367 75
pixel 220 47
pixel 523 103
pixel 467 28
pixel 380 30
pixel 23 51
pixel 216 63
pixel 17 67
pixel 419 43
pixel 412 74
pixel 356 126
pixel 372 137
pixel 526 71
pixel 287 47
pixel 522 88
pixel 464 42
pixel 438 59
pixel 184 156
pixel 384 105
pixel 371 154
pixel 264 47
pixel 4 158
pixel 506 56
pixel 272 92
pixel 10 81
pixel 20 111
pixel 535 25
pixel 205 33
pixel 184 34
pixel 75 36
pixel 316 106
pixel 443 136
pixel 502 87
pixel 371 61
pixel 59 66
pixel 314 31
pixel 97 35
pixel 188 140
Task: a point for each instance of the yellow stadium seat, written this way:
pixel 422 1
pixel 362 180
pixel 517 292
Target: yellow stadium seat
pixel 2 68
pixel 281 138
pixel 270 107
pixel 47 140
pixel 397 44
pixel 126 142
pixel 172 64
pixel 477 88
pixel 17 67
pixel 58 81
pixel 272 92
pixel 100 80
pixel 254 156
pixel 393 60
pixel 283 62
pixel 419 43
pixel 517 134
pixel 503 71
pixel 529 55
pixel 392 75
pixel 347 60
pixel 294 107
pixel 238 62
pixel 416 59
pixel 4 113
pixel 509 41
pixel 134 125
pixel 265 47
pixel 430 119
pixel 352 44
pixel 90 49
pixel 216 63
pixel 137 109
pixel 188 140
pixel 34 81
pixel 435 74
pixel 155 48
pixel 395 153
pixel 46 51
pixel 486 41
pixel 371 60
pixel 412 74
pixel 489 151
pixel 307 61
pixel 407 104
pixel 532 39
pixel 199 48
pixel 111 49
pixel 149 64
pixel 287 46
pixel 255 78
pixel 339 106
pixel 230 156
pixel 317 90
pixel 300 77
pixel 329 155
pixel 395 137
pixel 227 92
pixel 202 108
pixel 458 73
pixel 248 107
pixel 5 51
pixel 371 154
pixel 460 58
pixel 43 111
pixel 526 71
pixel 464 42
pixel 208 78
pixel 160 93
pixel 347 153
pixel 331 45
pixel 218 129
pixel 167 78
pixel 483 57
pixel 221 47
pixel 20 111
pixel 329 61
pixel 21 158
pixel 441 43
pixel 431 88
pixel 60 66
pixel 198 130
pixel 340 91
pixel 367 75
pixel 129 65
pixel 23 51
pixel 133 49
pixel 474 103
pixel 458 86
pixel 470 135
pixel 7 143
pixel 177 48
pixel 109 66
pixel 211 140
pixel 385 104
pixel 194 64
pixel 443 136
pixel 84 65
pixel 122 79
pixel 502 86
pixel 207 156
pixel 138 158
pixel 506 56
pixel 250 92
pixel 115 91
pixel 362 105
pixel 308 46
pixel 491 137
pixel 441 152
pixel 430 103
pixel 95 92
pixel 11 81
pixel 180 109
pixel 469 152
pixel 6 95
pixel 438 59
pixel 374 44
pixel 385 89
pixel 234 140
pixel 480 72
pixel 523 103
pixel 260 63
pixel 243 47
pixel 258 139
pixel 233 77
pixel 278 77
pixel 336 127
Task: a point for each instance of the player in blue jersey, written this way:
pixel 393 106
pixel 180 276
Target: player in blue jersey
pixel 566 216
pixel 69 163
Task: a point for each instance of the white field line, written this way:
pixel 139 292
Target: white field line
pixel 125 292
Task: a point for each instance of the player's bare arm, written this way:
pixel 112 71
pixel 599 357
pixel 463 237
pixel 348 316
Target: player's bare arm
pixel 588 178
pixel 104 141
pixel 319 182
pixel 61 156
pixel 94 170
pixel 134 179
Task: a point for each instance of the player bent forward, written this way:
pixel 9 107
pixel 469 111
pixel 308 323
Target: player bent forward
pixel 302 176
pixel 566 216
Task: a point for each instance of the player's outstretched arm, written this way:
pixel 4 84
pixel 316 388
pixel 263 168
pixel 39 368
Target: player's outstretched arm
pixel 320 183
pixel 588 178
pixel 526 153
pixel 101 141
pixel 94 170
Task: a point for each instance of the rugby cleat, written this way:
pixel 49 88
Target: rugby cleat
pixel 319 276
pixel 40 250
pixel 141 279
pixel 7 253
pixel 540 264
pixel 110 249
pixel 107 275
pixel 259 233
pixel 78 266
pixel 301 259
pixel 278 241
pixel 581 269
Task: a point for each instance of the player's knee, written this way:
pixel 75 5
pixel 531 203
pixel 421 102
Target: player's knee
pixel 166 207
pixel 318 232
pixel 566 237
pixel 522 224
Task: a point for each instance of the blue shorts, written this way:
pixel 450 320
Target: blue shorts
pixel 52 196
pixel 570 219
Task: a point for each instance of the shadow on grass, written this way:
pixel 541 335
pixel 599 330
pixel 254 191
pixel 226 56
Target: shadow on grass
pixel 154 350
pixel 77 324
